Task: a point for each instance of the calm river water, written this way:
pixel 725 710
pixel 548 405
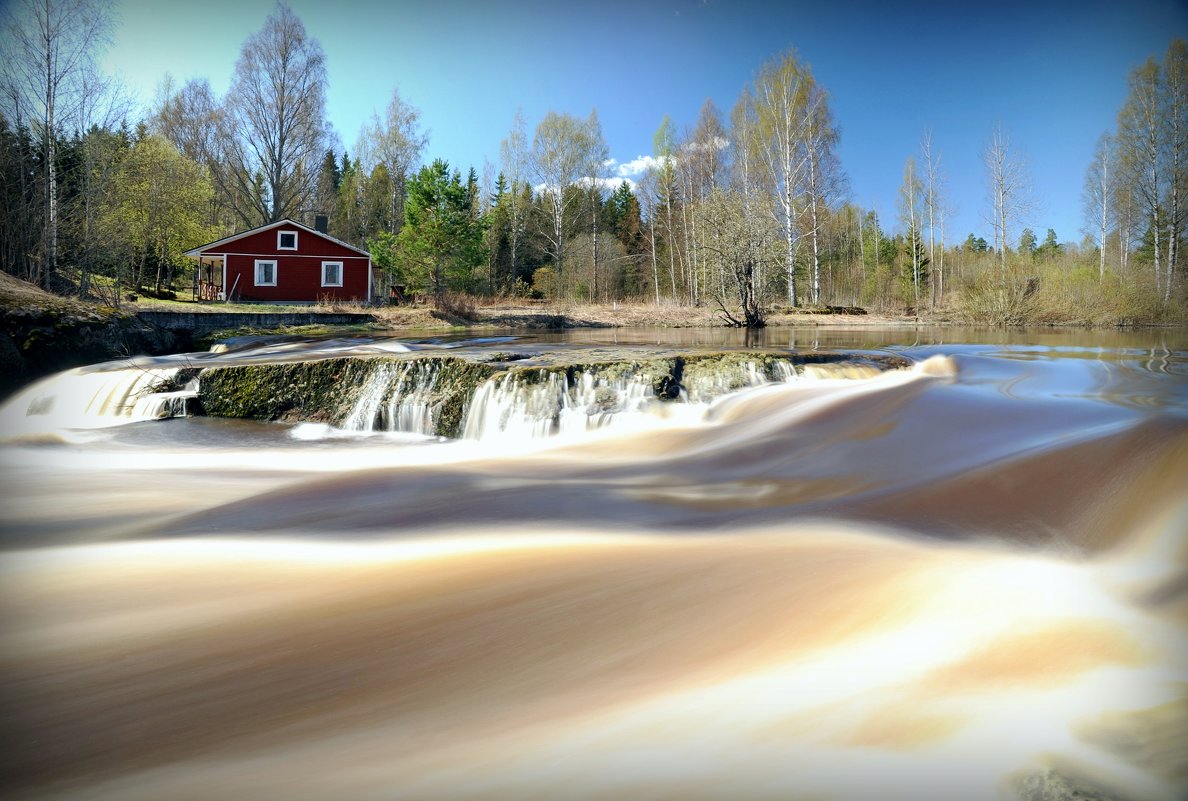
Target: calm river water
pixel 965 579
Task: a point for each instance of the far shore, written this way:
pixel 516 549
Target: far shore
pixel 532 315
pixel 521 314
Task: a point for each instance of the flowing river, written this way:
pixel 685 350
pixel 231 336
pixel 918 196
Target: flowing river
pixel 862 564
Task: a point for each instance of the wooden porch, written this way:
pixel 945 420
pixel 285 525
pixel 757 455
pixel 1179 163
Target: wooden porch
pixel 208 280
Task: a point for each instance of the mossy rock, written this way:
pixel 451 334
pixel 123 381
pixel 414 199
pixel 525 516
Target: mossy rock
pixel 312 391
pixel 327 390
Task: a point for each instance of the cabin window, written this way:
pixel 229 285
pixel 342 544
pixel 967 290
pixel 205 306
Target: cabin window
pixel 265 273
pixel 331 273
pixel 286 240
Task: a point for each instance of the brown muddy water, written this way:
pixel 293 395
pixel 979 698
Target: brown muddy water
pixel 963 579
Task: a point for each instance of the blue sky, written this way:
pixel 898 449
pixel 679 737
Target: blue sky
pixel 1052 74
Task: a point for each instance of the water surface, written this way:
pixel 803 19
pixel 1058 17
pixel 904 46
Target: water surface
pixel 964 579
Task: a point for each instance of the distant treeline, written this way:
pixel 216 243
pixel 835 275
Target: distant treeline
pixel 744 213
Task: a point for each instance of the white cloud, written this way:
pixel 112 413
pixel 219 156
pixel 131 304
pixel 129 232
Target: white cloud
pixel 610 184
pixel 638 166
pixel 641 164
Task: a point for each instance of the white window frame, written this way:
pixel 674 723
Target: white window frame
pixel 279 234
pixel 256 274
pixel 326 264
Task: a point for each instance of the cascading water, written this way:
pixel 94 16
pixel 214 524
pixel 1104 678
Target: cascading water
pixel 544 403
pixel 398 397
pixel 82 399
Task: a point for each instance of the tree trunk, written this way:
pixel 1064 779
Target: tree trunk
pixel 558 230
pixel 940 268
pixel 1173 228
pixel 655 268
pixel 1105 168
pixel 50 265
pixel 789 249
pixel 671 245
pixel 594 246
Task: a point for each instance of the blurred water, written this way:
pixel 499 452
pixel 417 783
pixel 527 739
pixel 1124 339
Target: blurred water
pixel 966 579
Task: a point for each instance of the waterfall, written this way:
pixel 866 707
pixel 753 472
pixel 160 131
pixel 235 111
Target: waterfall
pixel 432 396
pixel 160 405
pixel 81 399
pixel 398 397
pixel 541 403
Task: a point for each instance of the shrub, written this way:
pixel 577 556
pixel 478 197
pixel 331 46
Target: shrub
pixel 457 304
pixel 544 282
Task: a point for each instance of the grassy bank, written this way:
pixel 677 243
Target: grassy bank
pixel 41 333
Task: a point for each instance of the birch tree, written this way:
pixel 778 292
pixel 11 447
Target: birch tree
pixel 1008 189
pixel 707 157
pixel 195 120
pixel 1140 134
pixel 1125 213
pixel 746 172
pixel 396 141
pixel 780 96
pixel 189 116
pixel 1175 69
pixel 557 160
pixel 276 117
pixel 513 153
pixel 823 178
pixel 48 53
pixel 1098 192
pixel 648 192
pixel 910 205
pixel 664 149
pixel 934 209
pixel 596 155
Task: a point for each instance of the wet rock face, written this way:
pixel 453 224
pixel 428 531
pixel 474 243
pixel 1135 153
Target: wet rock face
pixel 327 391
pixel 366 392
pixel 315 391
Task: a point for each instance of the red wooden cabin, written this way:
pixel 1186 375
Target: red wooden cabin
pixel 282 262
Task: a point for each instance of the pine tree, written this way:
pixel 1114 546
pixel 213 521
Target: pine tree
pixel 915 266
pixel 441 242
pixel 1027 244
pixel 1050 248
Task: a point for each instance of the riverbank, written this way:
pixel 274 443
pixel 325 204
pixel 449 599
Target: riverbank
pixel 524 314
